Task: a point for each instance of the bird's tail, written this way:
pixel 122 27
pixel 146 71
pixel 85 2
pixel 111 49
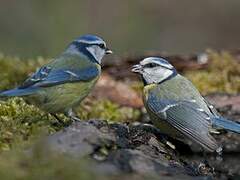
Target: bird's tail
pixel 17 92
pixel 220 122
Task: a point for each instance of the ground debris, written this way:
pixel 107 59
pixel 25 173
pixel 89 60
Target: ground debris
pixel 125 148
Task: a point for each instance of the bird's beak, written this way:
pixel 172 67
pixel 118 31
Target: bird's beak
pixel 137 68
pixel 108 51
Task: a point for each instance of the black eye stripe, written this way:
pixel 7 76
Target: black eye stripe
pixel 151 65
pixel 102 46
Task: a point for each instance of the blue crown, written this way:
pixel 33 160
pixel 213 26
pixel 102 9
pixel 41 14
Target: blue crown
pixel 88 38
pixel 158 60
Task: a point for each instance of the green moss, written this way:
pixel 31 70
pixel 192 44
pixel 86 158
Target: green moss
pixel 21 122
pixel 105 109
pixel 222 74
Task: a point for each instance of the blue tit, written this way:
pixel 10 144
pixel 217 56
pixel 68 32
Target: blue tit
pixel 60 86
pixel 177 108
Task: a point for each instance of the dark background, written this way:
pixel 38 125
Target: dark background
pixel 30 28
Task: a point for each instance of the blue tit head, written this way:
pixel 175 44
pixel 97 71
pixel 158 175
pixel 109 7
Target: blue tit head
pixel 91 46
pixel 154 70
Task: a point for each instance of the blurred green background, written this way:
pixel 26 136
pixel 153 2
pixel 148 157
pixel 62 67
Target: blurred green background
pixel 30 28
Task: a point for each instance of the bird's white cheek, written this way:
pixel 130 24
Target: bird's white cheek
pixel 96 52
pixel 166 74
pixel 92 51
pixel 156 75
pixel 101 53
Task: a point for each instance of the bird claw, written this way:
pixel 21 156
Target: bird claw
pixel 72 116
pixel 75 119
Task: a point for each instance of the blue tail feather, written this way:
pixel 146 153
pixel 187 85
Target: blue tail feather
pixel 220 122
pixel 18 92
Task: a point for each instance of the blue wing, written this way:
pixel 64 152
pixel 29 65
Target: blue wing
pixel 46 76
pixel 187 117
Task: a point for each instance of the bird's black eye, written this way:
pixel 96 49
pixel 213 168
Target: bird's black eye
pixel 151 65
pixel 102 46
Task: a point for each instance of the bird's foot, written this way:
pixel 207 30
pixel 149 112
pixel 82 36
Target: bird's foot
pixel 73 116
pixel 75 119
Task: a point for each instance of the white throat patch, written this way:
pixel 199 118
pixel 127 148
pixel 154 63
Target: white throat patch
pixel 156 75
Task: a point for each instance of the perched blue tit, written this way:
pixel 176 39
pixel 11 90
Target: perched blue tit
pixel 62 84
pixel 177 108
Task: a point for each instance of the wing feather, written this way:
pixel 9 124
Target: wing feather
pixel 187 118
pixel 46 77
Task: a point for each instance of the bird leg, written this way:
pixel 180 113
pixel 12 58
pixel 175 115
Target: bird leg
pixel 73 116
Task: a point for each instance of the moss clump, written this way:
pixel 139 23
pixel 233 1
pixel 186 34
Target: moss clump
pixel 105 109
pixel 222 74
pixel 21 122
